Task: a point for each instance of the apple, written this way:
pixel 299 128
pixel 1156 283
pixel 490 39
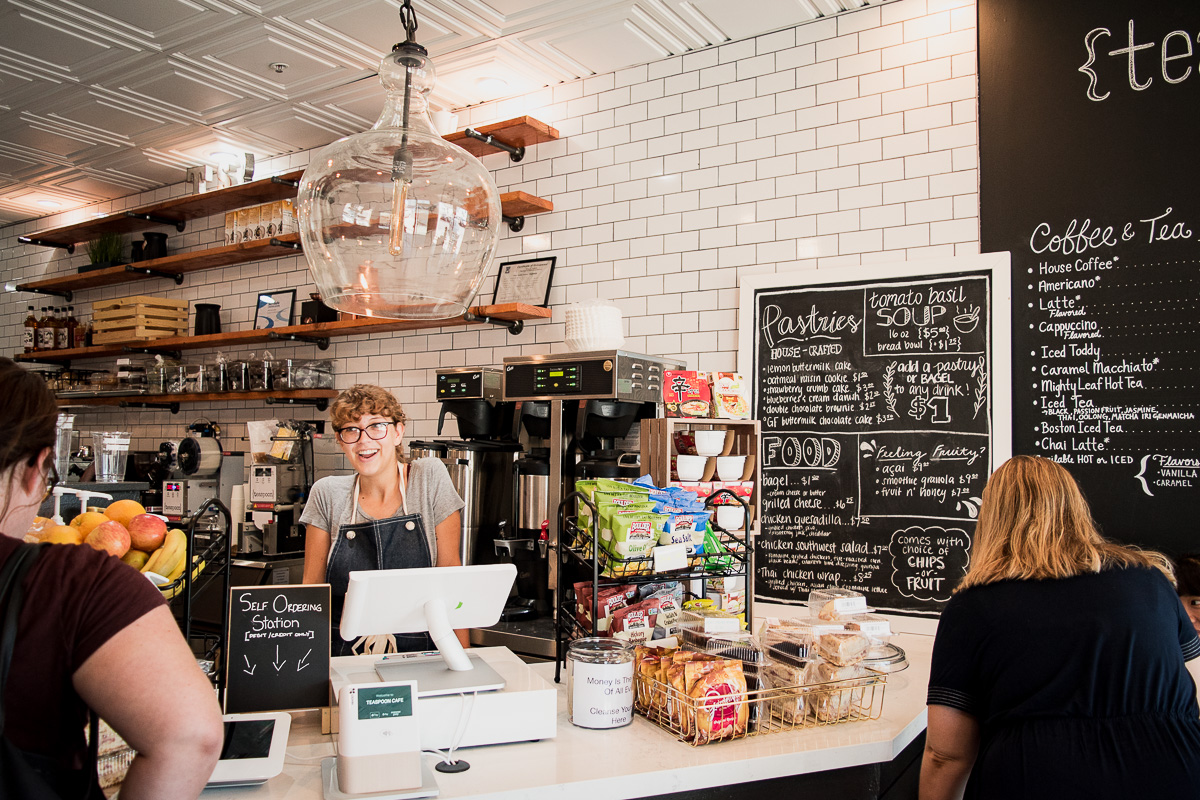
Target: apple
pixel 146 532
pixel 111 537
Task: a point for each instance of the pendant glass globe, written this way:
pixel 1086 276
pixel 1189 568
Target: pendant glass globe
pixel 396 221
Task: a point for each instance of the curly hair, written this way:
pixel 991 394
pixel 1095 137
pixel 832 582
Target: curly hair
pixel 366 398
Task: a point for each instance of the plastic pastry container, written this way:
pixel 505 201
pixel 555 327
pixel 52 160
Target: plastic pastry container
pixel 291 373
pixel 834 605
pixel 876 628
pixel 258 376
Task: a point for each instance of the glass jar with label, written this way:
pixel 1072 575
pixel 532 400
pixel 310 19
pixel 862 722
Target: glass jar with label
pixel 599 683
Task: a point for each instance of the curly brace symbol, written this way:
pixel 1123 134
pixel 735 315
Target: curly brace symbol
pixel 1089 42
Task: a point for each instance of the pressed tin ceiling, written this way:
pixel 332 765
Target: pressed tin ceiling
pixel 101 99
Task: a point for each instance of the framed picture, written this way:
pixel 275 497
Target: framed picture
pixel 525 282
pixel 274 309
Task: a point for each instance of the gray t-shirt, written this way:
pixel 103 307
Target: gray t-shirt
pixel 430 493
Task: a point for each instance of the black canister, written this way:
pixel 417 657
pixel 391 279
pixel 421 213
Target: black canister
pixel 156 245
pixel 208 318
pixel 136 252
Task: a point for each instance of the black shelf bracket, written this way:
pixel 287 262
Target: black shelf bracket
pixel 515 224
pixel 153 351
pixel 322 342
pixel 70 248
pixel 158 273
pixel 285 182
pixel 172 407
pixel 294 245
pixel 320 403
pixel 179 224
pixel 34 360
pixel 514 326
pixel 515 154
pixel 66 294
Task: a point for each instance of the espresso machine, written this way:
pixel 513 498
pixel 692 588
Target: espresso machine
pixel 480 461
pixel 197 469
pixel 594 398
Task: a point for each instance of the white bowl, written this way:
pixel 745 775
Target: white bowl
pixel 730 468
pixel 731 518
pixel 690 468
pixel 709 443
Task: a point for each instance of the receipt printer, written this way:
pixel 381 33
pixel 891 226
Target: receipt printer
pixel 379 740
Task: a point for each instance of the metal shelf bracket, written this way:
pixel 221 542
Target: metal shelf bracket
pixel 285 182
pixel 70 248
pixel 172 407
pixel 66 294
pixel 514 326
pixel 158 273
pixel 515 224
pixel 322 342
pixel 293 245
pixel 515 154
pixel 320 403
pixel 179 224
pixel 153 351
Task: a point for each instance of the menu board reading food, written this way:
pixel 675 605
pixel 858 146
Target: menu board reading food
pixel 876 403
pixel 1094 194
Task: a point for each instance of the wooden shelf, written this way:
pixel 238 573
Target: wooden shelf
pixel 180 263
pixel 522 204
pixel 164 399
pixel 181 209
pixel 319 330
pixel 519 132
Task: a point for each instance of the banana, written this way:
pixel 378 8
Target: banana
pixel 152 562
pixel 174 552
pixel 169 593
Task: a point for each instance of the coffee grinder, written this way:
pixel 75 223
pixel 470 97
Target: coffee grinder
pixel 480 461
pixel 197 470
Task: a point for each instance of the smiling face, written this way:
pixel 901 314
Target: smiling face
pixel 1191 604
pixel 370 457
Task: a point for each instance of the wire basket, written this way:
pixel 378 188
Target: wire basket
pixel 704 720
pixel 580 543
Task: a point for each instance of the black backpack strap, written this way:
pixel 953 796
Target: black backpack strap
pixel 12 596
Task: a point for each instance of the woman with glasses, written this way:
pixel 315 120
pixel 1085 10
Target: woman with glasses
pixel 91 633
pixel 390 514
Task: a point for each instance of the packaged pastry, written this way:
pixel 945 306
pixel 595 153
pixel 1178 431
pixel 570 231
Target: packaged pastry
pixel 876 628
pixel 837 693
pixel 686 394
pixel 786 699
pixel 834 605
pixel 843 649
pixel 721 702
pixel 728 395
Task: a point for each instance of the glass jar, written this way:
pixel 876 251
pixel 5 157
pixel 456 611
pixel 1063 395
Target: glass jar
pixel 258 376
pixel 600 683
pixel 237 375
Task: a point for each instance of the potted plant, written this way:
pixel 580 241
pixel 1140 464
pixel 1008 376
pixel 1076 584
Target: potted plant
pixel 104 251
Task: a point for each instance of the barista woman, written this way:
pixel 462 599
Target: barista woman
pixel 387 515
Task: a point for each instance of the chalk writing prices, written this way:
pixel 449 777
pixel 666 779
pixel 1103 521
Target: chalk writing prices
pixel 875 406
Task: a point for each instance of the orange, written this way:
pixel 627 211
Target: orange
pixel 88 520
pixel 63 534
pixel 123 511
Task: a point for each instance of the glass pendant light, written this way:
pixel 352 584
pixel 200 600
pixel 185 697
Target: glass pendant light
pixel 396 221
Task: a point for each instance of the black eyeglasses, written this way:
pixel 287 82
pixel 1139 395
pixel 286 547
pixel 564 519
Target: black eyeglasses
pixel 351 434
pixel 52 479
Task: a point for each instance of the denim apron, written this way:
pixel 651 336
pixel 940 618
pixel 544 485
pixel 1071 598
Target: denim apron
pixel 394 543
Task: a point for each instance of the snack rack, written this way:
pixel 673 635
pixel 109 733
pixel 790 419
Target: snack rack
pixel 577 549
pixel 699 721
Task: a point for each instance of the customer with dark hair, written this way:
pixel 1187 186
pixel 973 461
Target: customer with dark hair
pixel 1187 586
pixel 1059 664
pixel 92 633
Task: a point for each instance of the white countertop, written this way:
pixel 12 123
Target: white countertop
pixel 639 759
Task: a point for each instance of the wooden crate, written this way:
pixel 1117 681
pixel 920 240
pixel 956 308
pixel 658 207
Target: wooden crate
pixel 138 317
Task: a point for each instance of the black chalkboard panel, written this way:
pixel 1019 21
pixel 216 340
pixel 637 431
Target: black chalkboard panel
pixel 1088 175
pixel 277 657
pixel 876 399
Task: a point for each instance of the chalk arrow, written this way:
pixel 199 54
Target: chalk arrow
pixel 302 665
pixel 277 663
pixel 251 670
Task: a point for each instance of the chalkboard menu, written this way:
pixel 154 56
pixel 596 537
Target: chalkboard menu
pixel 277 656
pixel 875 393
pixel 1088 176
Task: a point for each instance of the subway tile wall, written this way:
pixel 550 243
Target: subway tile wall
pixel 846 141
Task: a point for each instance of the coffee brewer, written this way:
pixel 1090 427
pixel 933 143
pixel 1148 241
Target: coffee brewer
pixel 279 490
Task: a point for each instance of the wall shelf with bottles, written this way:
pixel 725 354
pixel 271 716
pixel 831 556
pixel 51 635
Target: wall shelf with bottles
pixel 314 333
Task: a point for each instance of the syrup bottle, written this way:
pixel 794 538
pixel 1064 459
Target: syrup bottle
pixel 45 331
pixel 29 335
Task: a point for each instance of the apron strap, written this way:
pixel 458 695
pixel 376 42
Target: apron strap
pixel 399 484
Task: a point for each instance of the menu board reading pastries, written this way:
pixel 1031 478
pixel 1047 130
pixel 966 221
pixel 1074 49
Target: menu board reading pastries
pixel 1094 192
pixel 876 393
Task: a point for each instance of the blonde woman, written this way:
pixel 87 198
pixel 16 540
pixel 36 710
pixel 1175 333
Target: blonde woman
pixel 1061 664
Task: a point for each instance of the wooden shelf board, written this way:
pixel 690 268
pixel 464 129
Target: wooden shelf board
pixel 194 261
pixel 522 204
pixel 519 132
pixel 349 327
pixel 176 210
pixel 117 399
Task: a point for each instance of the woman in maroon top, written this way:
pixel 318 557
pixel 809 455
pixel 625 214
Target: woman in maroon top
pixel 92 633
